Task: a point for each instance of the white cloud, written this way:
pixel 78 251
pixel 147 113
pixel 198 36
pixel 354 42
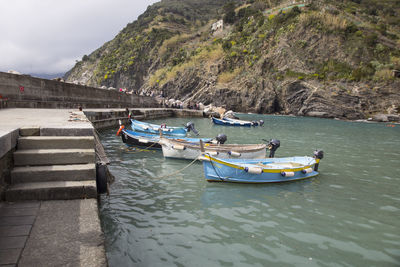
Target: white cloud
pixel 47 36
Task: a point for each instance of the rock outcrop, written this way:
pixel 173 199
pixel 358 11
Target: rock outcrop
pixel 311 61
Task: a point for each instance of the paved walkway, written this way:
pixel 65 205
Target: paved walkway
pixel 12 118
pixel 16 221
pixel 51 233
pixel 48 233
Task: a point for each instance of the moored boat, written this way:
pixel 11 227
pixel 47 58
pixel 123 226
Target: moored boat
pixel 150 141
pixel 267 170
pixel 166 130
pixel 236 122
pixel 188 150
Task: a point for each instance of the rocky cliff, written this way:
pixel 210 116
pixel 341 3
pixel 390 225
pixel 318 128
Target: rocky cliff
pixel 335 59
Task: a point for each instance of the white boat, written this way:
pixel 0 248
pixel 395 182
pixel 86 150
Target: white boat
pixel 187 150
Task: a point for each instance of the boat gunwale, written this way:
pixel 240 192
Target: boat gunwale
pixel 156 126
pixel 264 170
pixel 243 148
pixel 228 180
pixel 231 122
pixel 156 138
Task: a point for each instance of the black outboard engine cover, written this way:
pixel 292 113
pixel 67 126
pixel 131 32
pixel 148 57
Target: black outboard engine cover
pixel 273 145
pixel 221 138
pixel 190 126
pixel 319 154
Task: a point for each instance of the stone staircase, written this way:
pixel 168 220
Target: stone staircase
pixel 53 167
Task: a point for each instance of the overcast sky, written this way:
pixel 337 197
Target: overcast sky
pixel 48 36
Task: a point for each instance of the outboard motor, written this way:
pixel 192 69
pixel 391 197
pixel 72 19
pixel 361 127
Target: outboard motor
pixel 273 145
pixel 221 139
pixel 261 122
pixel 190 126
pixel 318 154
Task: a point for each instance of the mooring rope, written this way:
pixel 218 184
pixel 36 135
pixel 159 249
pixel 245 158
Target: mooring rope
pixel 140 149
pixel 212 164
pixel 178 171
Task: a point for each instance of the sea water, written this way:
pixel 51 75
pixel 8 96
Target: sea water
pixel 162 212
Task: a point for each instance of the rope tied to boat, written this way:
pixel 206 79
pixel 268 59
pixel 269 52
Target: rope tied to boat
pixel 139 150
pixel 178 171
pixel 215 170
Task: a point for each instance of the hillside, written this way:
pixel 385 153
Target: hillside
pixel 322 58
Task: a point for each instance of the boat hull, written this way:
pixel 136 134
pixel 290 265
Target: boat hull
pixel 252 171
pixel 155 129
pixel 139 139
pixel 183 150
pixel 231 122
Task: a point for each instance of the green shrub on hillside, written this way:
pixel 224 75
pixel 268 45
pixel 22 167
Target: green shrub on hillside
pixel 333 69
pixel 364 71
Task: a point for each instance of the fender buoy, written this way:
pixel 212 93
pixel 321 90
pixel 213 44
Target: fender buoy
pixel 101 178
pixel 120 129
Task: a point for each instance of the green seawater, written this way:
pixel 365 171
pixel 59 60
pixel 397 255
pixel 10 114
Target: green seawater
pixel 160 215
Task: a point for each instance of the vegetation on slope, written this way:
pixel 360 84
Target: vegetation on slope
pixel 263 41
pixel 136 47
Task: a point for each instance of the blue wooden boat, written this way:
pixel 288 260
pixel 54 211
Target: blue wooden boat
pixel 268 170
pixel 151 141
pixel 235 122
pixel 166 130
pixel 253 123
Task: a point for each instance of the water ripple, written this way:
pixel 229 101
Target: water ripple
pixel 347 216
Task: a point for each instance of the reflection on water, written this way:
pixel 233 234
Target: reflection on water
pixel 157 215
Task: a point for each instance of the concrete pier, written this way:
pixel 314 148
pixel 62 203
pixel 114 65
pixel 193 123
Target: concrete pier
pixel 55 232
pixel 106 118
pixel 51 233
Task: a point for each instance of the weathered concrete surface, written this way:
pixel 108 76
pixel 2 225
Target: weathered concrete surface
pixel 16 221
pixel 53 156
pixel 52 190
pixel 65 122
pixel 8 137
pixel 106 118
pixel 55 142
pixel 24 91
pixel 29 131
pixel 76 172
pixel 6 165
pixel 51 233
pixel 65 233
pixel 85 246
pixel 50 121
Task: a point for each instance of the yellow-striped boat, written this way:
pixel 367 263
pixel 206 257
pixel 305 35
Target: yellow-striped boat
pixel 268 170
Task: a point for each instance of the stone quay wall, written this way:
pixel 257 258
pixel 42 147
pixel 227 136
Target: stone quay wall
pixel 102 119
pixel 24 91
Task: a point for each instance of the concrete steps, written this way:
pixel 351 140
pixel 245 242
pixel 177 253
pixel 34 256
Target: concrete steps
pixel 51 190
pixel 52 173
pixel 34 157
pixel 53 167
pixel 55 142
